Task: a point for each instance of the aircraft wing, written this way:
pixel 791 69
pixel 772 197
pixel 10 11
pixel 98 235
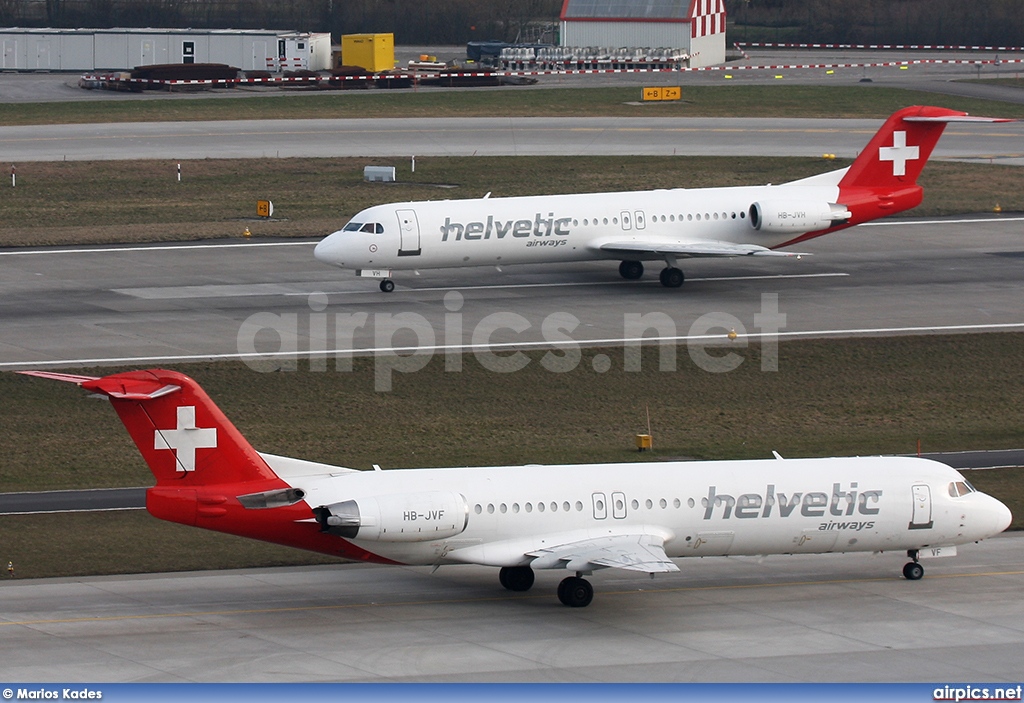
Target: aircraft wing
pixel 636 552
pixel 690 249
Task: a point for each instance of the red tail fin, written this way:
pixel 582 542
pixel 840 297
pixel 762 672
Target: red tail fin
pixel 207 474
pixel 897 153
pixel 883 179
pixel 181 433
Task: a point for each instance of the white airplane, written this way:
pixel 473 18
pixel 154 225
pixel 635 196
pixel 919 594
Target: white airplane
pixel 656 225
pixel 575 518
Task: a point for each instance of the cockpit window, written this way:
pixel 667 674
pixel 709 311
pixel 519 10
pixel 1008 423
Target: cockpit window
pixel 960 488
pixel 369 227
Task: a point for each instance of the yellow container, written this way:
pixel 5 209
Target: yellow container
pixel 374 52
pixel 643 442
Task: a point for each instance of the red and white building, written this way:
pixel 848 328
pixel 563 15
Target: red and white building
pixel 696 26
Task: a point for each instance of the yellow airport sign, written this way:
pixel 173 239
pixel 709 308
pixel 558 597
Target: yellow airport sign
pixel 669 92
pixel 264 208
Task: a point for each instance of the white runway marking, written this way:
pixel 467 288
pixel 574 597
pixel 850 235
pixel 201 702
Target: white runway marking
pixel 578 284
pixel 167 247
pixel 610 341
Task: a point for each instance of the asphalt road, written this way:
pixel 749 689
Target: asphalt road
pixel 486 136
pixel 787 618
pixel 99 306
pixel 34 502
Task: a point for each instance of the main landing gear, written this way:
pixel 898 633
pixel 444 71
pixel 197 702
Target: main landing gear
pixel 912 570
pixel 516 578
pixel 387 285
pixel 671 276
pixel 575 591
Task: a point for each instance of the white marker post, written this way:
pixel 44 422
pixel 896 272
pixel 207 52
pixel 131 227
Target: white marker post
pixel 414 164
pixel 179 173
pixel 14 176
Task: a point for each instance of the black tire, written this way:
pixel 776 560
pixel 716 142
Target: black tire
pixel 516 578
pixel 671 277
pixel 387 285
pixel 912 571
pixel 575 592
pixel 631 270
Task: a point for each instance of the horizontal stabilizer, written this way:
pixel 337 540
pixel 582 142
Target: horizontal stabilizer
pixel 957 118
pixel 112 386
pixel 54 376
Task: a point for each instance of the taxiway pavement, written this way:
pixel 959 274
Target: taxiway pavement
pixel 786 618
pixel 487 136
pixel 95 306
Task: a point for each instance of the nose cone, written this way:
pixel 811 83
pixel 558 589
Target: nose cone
pixel 1001 517
pixel 329 250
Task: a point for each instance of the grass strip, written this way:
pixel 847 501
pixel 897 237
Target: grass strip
pixel 747 100
pixel 141 201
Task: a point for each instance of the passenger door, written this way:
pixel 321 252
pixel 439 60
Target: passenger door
pixel 409 228
pixel 922 515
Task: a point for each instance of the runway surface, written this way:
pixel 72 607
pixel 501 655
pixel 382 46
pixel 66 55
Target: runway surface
pixel 486 136
pixel 150 304
pixel 787 618
pixel 797 618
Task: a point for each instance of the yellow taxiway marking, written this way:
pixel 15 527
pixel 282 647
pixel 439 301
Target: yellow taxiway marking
pixel 451 601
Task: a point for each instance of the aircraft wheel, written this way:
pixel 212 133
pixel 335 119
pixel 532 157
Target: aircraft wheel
pixel 387 285
pixel 912 571
pixel 671 277
pixel 631 270
pixel 575 592
pixel 516 578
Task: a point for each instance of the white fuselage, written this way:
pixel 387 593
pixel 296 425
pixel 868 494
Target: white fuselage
pixel 497 515
pixel 560 228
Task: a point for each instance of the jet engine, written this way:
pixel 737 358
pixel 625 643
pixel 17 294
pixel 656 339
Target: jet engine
pixel 402 517
pixel 785 217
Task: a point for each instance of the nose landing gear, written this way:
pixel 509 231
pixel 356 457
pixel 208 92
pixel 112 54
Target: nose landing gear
pixel 912 570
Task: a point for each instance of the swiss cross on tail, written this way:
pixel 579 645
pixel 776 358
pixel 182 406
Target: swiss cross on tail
pixel 186 438
pixel 899 153
pixel 883 179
